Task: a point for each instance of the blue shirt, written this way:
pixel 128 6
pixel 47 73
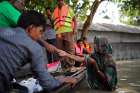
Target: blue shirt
pixel 49 32
pixel 16 49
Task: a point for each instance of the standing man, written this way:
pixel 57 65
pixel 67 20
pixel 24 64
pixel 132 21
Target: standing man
pixel 65 26
pixel 50 35
pixel 9 12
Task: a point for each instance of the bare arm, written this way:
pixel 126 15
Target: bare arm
pixel 75 23
pixel 62 53
pixel 49 47
pixel 76 58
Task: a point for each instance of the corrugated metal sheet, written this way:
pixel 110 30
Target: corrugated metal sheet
pixel 112 27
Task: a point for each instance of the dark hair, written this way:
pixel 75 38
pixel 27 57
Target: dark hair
pixel 31 17
pixel 84 38
pixel 79 40
pixel 48 8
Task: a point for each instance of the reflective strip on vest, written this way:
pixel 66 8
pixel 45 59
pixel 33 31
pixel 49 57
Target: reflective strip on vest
pixel 62 20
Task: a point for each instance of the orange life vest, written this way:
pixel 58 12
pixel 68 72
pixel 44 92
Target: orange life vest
pixel 87 47
pixel 63 20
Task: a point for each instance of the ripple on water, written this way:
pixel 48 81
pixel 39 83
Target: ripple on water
pixel 123 79
pixel 125 76
pixel 125 90
pixel 134 84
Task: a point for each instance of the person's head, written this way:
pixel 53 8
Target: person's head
pixel 101 45
pixel 48 11
pixel 84 40
pixel 60 3
pixel 33 23
pixel 79 43
pixel 18 4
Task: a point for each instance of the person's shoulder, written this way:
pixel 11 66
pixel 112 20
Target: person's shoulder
pixel 56 7
pixel 70 10
pixel 5 3
pixel 23 37
pixel 8 31
pixel 68 6
pixel 6 7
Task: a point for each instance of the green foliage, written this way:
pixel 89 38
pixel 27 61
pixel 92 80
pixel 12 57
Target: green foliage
pixel 40 5
pixel 131 9
pixel 80 9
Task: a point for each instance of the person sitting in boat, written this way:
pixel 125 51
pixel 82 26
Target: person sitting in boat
pixel 79 48
pixel 101 68
pixel 79 51
pixel 86 46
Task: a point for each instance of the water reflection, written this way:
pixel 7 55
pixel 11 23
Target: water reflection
pixel 134 84
pixel 125 90
pixel 123 79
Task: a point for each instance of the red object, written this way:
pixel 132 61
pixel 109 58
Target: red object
pixel 78 50
pixel 53 64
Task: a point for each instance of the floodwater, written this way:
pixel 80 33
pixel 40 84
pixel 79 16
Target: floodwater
pixel 128 79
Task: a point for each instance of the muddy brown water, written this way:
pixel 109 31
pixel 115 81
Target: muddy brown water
pixel 128 79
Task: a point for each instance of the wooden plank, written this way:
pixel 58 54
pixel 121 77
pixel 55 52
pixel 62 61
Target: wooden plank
pixel 79 75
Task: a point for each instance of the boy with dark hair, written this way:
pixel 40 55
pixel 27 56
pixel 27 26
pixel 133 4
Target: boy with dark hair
pixel 18 46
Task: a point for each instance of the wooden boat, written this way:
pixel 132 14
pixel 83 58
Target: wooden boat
pixel 79 74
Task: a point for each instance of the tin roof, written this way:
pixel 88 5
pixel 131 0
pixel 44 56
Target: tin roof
pixel 113 27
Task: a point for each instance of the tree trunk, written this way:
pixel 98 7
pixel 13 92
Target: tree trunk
pixel 88 22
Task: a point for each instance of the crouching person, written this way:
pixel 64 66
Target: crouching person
pixel 18 46
pixel 105 77
pixel 101 68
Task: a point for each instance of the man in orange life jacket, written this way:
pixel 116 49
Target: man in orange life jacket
pixel 86 45
pixel 65 26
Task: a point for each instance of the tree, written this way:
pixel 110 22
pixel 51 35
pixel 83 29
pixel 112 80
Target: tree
pixel 80 9
pixel 89 19
pixel 131 10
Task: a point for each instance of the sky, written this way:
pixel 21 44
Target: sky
pixel 111 10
